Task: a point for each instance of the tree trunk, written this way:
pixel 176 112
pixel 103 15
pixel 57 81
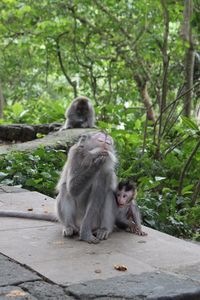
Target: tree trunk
pixel 142 86
pixel 1 101
pixel 165 57
pixel 189 55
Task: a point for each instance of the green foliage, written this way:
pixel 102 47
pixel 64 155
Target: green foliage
pixel 35 112
pixel 158 179
pixel 38 170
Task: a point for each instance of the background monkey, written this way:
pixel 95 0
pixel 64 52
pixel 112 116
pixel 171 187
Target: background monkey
pixel 86 188
pixel 128 216
pixel 80 114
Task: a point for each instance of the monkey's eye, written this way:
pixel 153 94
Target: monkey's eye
pixel 124 196
pixel 100 140
pixel 108 142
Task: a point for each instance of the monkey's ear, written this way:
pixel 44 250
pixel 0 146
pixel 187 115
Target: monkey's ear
pixel 82 140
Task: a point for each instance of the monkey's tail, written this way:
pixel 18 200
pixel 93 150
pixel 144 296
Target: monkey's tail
pixel 29 215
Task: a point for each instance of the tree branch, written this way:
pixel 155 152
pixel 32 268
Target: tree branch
pixel 72 83
pixel 186 167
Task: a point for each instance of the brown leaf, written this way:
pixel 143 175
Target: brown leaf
pixel 122 268
pixel 15 293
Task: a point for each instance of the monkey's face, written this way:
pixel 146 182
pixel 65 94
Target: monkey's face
pixel 102 141
pixel 124 197
pixel 82 107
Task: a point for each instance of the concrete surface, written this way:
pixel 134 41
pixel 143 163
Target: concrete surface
pixel 158 258
pixel 14 273
pixel 21 283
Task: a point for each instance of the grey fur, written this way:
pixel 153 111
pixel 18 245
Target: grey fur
pixel 86 189
pixel 80 114
pixel 128 216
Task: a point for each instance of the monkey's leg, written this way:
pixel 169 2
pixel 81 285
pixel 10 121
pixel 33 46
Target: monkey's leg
pixel 66 212
pixel 86 226
pixel 108 217
pixel 93 212
pixel 84 125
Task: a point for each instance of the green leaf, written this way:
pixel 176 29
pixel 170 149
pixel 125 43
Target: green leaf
pixel 189 123
pixel 187 188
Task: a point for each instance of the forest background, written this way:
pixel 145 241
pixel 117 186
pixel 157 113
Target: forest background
pixel 139 63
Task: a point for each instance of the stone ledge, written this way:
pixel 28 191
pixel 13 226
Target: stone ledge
pixel 44 290
pixel 149 286
pixel 11 189
pixel 14 292
pixel 60 139
pixel 12 273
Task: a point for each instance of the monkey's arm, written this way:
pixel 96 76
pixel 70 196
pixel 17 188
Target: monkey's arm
pixel 82 171
pixel 91 117
pixel 29 215
pixel 135 225
pixel 135 213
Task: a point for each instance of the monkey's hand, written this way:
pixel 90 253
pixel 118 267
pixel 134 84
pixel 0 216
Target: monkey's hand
pixel 90 238
pixel 137 230
pixel 102 234
pixel 100 158
pixel 70 231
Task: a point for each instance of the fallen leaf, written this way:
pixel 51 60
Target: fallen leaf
pixel 122 268
pixel 15 293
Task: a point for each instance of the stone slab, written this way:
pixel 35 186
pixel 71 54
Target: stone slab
pixel 192 272
pixel 11 189
pixel 40 245
pixel 12 273
pixel 14 292
pixel 149 286
pixel 45 291
pixel 24 201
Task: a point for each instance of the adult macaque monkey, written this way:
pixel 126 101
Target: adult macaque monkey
pixel 80 114
pixel 128 216
pixel 86 188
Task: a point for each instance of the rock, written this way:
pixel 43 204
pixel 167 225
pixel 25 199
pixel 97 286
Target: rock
pixel 57 140
pixel 12 273
pixel 149 286
pixel 24 132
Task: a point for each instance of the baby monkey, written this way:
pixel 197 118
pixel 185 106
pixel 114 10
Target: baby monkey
pixel 128 215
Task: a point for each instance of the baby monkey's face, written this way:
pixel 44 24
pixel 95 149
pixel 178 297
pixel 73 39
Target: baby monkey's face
pixel 124 197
